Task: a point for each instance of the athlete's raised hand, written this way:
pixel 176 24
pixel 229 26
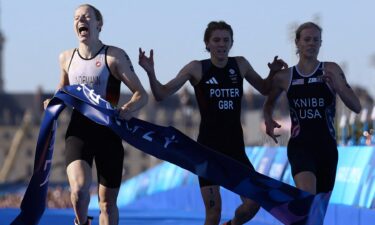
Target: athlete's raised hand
pixel 147 63
pixel 277 64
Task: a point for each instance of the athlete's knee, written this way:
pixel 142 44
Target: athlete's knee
pixel 108 207
pixel 251 206
pixel 79 196
pixel 306 181
pixel 247 210
pixel 307 186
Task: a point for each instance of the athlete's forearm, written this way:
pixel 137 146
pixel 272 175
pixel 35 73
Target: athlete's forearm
pixel 137 101
pixel 158 90
pixel 350 100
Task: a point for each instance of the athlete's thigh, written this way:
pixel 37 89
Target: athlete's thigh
pixel 77 148
pixel 79 175
pixel 301 158
pixel 326 173
pixel 109 159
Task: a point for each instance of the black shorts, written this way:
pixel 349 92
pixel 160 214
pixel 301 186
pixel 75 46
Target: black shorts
pixel 86 140
pixel 320 158
pixel 233 149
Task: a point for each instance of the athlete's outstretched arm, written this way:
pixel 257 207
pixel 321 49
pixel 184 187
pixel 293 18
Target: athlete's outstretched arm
pixel 335 78
pixel 122 68
pixel 268 108
pixel 262 85
pixel 160 91
pixel 279 84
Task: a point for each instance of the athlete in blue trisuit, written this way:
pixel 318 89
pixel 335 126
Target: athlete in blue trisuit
pixel 311 87
pixel 217 82
pixel 102 68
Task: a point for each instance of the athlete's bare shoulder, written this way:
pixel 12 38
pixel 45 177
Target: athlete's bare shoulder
pixel 113 50
pixel 242 62
pixel 332 66
pixel 194 66
pixel 65 57
pixel 67 54
pixel 194 70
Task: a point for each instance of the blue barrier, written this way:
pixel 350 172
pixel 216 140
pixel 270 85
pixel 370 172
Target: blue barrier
pixel 355 180
pixel 174 188
pixel 353 171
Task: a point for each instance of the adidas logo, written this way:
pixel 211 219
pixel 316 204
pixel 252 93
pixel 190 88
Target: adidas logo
pixel 212 81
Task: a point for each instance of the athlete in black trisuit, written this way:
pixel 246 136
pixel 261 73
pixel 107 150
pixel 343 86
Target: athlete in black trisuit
pixel 311 88
pixel 219 95
pixel 218 88
pixel 101 68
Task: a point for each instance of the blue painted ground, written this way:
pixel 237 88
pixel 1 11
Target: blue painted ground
pixel 337 215
pixel 127 217
pixel 183 206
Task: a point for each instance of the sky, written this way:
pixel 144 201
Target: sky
pixel 37 31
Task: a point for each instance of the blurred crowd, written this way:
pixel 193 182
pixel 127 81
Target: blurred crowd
pixel 57 197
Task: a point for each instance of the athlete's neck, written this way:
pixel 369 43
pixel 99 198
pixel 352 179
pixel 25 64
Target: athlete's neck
pixel 307 66
pixel 220 63
pixel 88 50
